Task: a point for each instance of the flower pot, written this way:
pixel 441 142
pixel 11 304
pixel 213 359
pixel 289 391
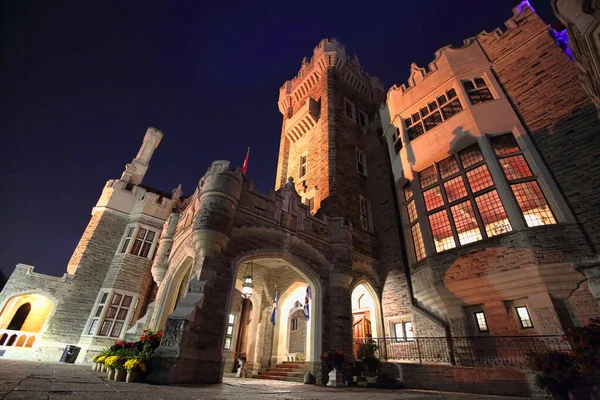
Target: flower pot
pixel 103 368
pixel 120 375
pixel 132 376
pixel 336 378
pixel 111 374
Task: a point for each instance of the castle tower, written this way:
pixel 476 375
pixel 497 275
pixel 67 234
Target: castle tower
pixel 328 108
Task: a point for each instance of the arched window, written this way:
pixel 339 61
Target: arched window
pixel 19 318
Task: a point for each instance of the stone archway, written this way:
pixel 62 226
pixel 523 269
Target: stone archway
pixel 170 292
pixel 366 313
pixel 23 318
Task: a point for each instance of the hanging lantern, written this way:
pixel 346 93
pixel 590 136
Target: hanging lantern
pixel 247 286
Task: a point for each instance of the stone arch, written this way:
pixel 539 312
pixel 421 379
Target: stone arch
pixel 170 289
pixel 41 308
pixel 19 317
pixel 309 274
pixel 377 326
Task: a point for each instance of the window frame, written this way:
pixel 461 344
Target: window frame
pixel 365 217
pixel 361 160
pixel 353 109
pixel 516 181
pixel 99 313
pixel 521 319
pixel 470 197
pixel 415 123
pixel 130 236
pixel 303 166
pixel 477 89
pixel 361 113
pixel 293 324
pixel 487 327
pixel 231 324
pixel 403 324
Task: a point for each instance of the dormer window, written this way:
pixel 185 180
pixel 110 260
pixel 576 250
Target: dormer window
pixel 477 91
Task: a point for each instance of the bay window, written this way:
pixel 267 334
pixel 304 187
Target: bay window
pixel 138 241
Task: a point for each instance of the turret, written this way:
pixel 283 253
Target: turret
pixel 134 172
pixel 220 191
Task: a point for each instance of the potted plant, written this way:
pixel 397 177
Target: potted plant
pixel 134 367
pixel 367 355
pixel 332 362
pixel 299 357
pixel 554 373
pixel 120 372
pixel 240 358
pixel 110 363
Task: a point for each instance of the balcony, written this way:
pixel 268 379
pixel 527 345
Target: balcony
pixel 303 120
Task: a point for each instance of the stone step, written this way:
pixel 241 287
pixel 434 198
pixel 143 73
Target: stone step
pixel 280 378
pixel 277 369
pixel 280 373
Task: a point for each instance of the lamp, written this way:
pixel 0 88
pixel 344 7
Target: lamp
pixel 247 286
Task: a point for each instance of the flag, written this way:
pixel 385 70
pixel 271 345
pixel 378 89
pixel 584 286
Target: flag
pixel 275 301
pixel 307 297
pixel 245 165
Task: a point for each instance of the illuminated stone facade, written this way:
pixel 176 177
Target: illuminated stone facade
pixel 460 204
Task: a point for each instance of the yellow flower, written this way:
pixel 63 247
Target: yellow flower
pixel 134 363
pixel 100 359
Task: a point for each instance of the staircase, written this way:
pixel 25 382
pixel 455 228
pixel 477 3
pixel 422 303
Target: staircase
pixel 290 371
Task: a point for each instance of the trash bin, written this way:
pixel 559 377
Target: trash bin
pixel 70 354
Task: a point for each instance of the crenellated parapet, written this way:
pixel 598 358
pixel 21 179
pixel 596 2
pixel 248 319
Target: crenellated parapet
pixel 329 53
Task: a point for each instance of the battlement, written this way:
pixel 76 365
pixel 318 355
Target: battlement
pixel 328 53
pixel 522 13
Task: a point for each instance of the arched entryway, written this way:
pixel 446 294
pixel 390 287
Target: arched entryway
pixel 23 318
pixel 366 314
pixel 250 327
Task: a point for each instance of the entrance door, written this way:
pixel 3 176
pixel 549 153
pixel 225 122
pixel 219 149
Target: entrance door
pixel 361 329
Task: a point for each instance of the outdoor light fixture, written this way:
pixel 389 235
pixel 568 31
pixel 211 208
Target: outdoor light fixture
pixel 247 286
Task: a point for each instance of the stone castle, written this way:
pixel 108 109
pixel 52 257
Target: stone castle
pixel 458 205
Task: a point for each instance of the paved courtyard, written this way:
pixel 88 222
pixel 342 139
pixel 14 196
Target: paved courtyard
pixel 53 381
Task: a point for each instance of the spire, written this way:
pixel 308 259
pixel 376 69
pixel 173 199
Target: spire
pixel 134 172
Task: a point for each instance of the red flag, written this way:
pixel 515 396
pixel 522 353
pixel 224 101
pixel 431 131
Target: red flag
pixel 245 165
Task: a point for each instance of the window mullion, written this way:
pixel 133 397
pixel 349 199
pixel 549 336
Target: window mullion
pixel 513 212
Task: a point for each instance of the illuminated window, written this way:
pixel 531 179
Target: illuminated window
pixel 481 322
pixel 229 332
pixel 303 167
pixel 532 203
pixel 477 91
pixel 417 238
pixel 365 213
pixel 524 317
pixel 428 176
pixel 115 315
pixel 441 231
pixel 412 211
pixel 458 213
pixel 493 214
pixel 408 193
pixel 139 243
pixel 433 198
pixel 466 223
pixel 455 189
pixel 361 162
pixel 479 178
pixel 404 331
pixel 524 185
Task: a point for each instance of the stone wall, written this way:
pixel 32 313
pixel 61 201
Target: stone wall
pixel 298 336
pixel 491 381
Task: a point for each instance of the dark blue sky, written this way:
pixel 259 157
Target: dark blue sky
pixel 81 80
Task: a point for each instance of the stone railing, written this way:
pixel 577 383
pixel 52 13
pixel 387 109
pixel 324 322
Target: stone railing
pixel 10 338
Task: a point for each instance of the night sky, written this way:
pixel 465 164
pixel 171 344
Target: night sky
pixel 80 81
